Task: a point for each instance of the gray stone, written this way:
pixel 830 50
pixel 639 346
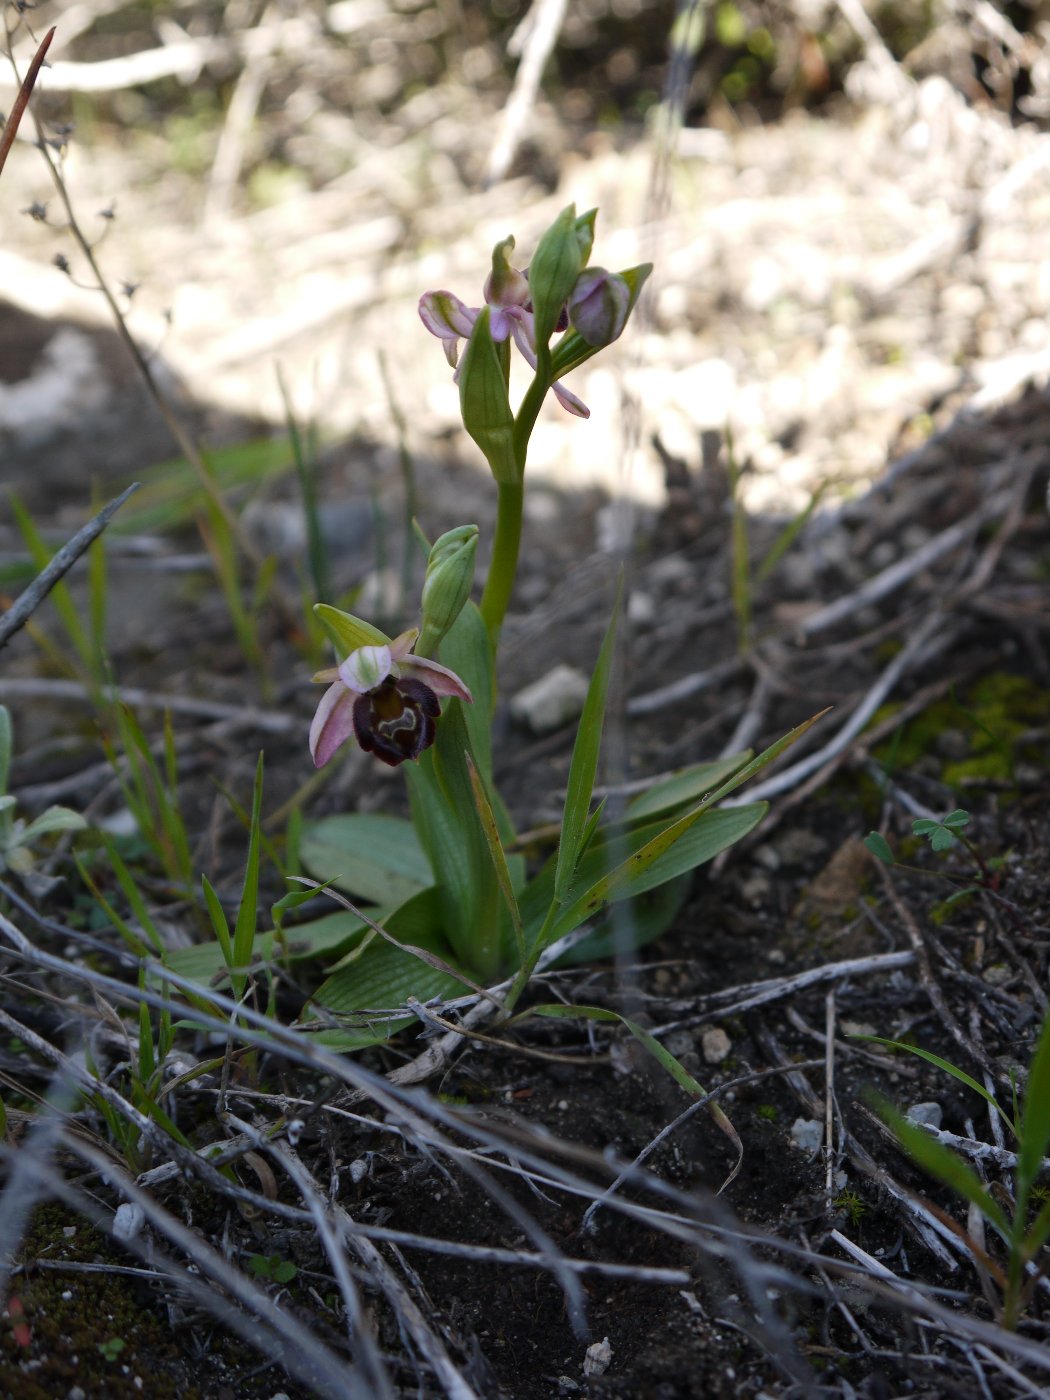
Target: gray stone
pixel 552 701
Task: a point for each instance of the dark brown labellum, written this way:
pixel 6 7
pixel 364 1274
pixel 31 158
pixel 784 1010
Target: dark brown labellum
pixel 395 721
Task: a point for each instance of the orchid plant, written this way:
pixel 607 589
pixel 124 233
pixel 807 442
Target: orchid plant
pixel 446 903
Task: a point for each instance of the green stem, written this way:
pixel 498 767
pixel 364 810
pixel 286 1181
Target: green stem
pixel 506 543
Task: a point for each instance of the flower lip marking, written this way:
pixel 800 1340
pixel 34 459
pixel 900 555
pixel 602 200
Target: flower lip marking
pixel 386 699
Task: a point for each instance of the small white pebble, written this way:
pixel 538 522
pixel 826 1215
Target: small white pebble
pixel 128 1220
pixel 358 1170
pixel 563 1105
pixel 552 701
pixel 596 1362
pixel 929 1115
pixel 807 1133
pixel 715 1045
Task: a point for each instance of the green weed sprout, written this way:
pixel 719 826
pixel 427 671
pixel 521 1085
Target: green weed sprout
pixel 942 833
pixel 444 902
pixel 1024 1224
pixel 17 836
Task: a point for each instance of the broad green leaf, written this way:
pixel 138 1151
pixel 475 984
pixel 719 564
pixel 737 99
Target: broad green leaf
pixel 54 819
pixel 959 818
pixel 346 631
pixel 936 1159
pixel 584 763
pixel 377 858
pixel 880 848
pixel 172 492
pixel 685 786
pixel 203 962
pixel 1035 1122
pixel 383 976
pixel 443 806
pixel 948 1067
pixel 327 936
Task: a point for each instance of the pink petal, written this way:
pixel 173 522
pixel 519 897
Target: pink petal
pixel 568 400
pixel 333 723
pixel 445 316
pixel 440 679
pixel 402 645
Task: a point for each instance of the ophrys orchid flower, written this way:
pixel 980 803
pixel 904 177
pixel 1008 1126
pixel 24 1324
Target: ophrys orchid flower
pixel 507 294
pixel 386 698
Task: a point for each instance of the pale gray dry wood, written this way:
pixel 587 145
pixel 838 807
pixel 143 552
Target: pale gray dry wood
pixel 246 716
pixel 534 38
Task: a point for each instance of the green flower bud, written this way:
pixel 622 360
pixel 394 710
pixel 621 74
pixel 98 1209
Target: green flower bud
pixel 573 350
pixel 484 401
pixel 449 577
pixel 557 263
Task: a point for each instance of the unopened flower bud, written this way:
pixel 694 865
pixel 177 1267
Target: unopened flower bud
pixel 554 269
pixel 449 577
pixel 599 306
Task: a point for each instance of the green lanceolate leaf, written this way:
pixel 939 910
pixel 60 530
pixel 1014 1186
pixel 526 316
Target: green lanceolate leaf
pixel 220 925
pixel 499 859
pixel 628 875
pixel 248 912
pixel 707 835
pixel 376 858
pixel 948 1067
pixel 1035 1123
pixel 346 631
pixel 584 763
pixel 467 651
pixel 686 786
pixel 5 747
pixel 936 1159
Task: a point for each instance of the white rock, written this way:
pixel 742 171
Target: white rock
pixel 128 1220
pixel 715 1045
pixel 808 1134
pixel 596 1362
pixel 928 1115
pixel 552 701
